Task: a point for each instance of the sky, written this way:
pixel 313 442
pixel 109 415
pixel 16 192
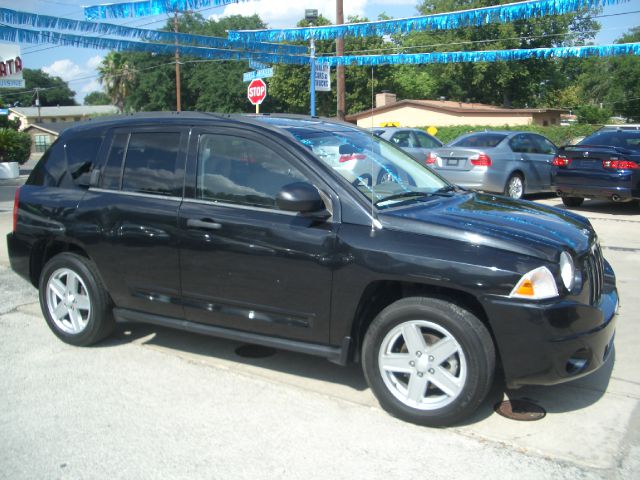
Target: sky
pixel 78 65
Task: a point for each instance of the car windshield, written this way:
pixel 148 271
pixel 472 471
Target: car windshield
pixel 380 171
pixel 480 140
pixel 628 139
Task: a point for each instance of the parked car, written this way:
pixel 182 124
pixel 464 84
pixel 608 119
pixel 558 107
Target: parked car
pixel 512 163
pixel 603 165
pixel 414 141
pixel 236 226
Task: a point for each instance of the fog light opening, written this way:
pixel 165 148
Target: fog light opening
pixel 578 361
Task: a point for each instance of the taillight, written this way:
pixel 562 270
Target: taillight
pixel 431 158
pixel 16 201
pixel 481 160
pixel 561 162
pixel 355 156
pixel 620 165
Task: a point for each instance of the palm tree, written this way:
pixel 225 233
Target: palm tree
pixel 117 75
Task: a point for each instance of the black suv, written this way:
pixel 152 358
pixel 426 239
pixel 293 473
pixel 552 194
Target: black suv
pixel 314 236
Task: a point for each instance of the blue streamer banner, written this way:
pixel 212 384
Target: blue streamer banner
pixel 149 7
pixel 22 35
pixel 485 55
pixel 441 21
pixel 15 17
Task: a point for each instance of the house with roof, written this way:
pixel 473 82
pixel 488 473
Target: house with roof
pixel 72 113
pixel 43 135
pixel 440 113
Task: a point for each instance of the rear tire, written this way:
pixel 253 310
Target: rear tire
pixel 74 302
pixel 515 186
pixel 572 201
pixel 428 361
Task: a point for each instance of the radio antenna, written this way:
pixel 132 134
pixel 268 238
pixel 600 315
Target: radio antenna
pixel 373 222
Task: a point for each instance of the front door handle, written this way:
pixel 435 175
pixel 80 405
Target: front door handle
pixel 205 223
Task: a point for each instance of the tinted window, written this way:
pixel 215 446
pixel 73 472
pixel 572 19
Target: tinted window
pixel 427 141
pixel 239 170
pixel 51 168
pixel 543 145
pixel 403 140
pixel 479 140
pixel 150 164
pixel 523 144
pixel 81 153
pixel 112 172
pixel 630 140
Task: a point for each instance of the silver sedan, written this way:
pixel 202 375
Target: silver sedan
pixel 413 141
pixel 512 163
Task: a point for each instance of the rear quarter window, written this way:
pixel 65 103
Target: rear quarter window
pixel 67 163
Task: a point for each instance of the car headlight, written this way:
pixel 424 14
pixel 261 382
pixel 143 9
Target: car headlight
pixel 567 270
pixel 537 284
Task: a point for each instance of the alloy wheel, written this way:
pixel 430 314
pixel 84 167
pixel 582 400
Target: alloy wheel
pixel 68 301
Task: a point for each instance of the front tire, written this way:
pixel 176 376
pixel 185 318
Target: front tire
pixel 428 361
pixel 74 302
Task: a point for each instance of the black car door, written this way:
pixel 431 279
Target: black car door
pixel 129 217
pixel 246 264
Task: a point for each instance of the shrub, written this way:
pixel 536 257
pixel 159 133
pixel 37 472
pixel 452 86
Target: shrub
pixel 556 133
pixel 14 146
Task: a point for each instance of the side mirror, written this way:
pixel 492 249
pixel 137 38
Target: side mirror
pixel 301 197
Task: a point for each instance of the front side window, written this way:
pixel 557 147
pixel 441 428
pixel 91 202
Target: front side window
pixel 243 171
pixel 403 140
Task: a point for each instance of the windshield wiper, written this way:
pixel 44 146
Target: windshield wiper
pixel 445 191
pixel 401 195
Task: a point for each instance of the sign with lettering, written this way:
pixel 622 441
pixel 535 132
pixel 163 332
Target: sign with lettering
pixel 323 77
pixel 10 66
pixel 264 73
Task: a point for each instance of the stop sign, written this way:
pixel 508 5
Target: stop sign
pixel 257 91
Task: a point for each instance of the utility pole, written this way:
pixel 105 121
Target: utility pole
pixel 311 16
pixel 175 29
pixel 340 85
pixel 38 103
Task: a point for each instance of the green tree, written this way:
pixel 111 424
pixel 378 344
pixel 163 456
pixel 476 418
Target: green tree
pixel 97 98
pixel 52 90
pixel 14 146
pixel 593 114
pixel 116 74
pixel 517 83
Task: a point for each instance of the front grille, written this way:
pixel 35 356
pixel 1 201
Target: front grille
pixel 594 266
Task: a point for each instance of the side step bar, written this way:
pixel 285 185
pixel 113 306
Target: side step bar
pixel 337 355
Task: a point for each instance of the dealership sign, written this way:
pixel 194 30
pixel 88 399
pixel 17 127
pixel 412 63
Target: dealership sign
pixel 323 78
pixel 10 66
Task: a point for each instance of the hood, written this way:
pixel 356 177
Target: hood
pixel 517 226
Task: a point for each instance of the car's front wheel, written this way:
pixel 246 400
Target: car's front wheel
pixel 428 361
pixel 74 302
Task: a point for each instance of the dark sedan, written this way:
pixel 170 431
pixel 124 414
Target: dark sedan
pixel 603 165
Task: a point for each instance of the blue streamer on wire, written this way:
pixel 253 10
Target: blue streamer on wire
pixel 22 35
pixel 486 55
pixel 15 17
pixel 441 21
pixel 149 7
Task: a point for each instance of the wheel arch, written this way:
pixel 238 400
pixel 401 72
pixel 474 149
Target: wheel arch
pixel 46 250
pixel 380 294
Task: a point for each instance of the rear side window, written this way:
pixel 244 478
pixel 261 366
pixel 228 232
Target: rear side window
pixel 67 163
pixel 144 162
pixel 480 140
pixel 427 141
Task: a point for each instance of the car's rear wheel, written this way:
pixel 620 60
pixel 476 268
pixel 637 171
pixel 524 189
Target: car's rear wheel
pixel 74 302
pixel 572 201
pixel 428 361
pixel 515 186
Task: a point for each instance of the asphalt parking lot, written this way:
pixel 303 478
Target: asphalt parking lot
pixel 151 402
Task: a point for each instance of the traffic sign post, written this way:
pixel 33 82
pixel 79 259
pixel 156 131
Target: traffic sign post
pixel 257 92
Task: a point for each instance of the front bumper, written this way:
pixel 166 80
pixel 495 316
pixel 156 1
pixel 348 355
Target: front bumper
pixel 549 343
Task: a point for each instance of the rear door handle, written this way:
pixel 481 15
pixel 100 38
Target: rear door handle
pixel 205 223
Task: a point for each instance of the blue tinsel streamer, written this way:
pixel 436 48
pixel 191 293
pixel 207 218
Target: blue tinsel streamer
pixel 14 17
pixel 485 55
pixel 441 21
pixel 149 7
pixel 22 35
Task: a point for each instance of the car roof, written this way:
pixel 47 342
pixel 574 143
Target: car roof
pixel 268 121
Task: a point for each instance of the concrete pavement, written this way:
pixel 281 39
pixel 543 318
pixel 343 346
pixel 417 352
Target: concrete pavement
pixel 155 402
